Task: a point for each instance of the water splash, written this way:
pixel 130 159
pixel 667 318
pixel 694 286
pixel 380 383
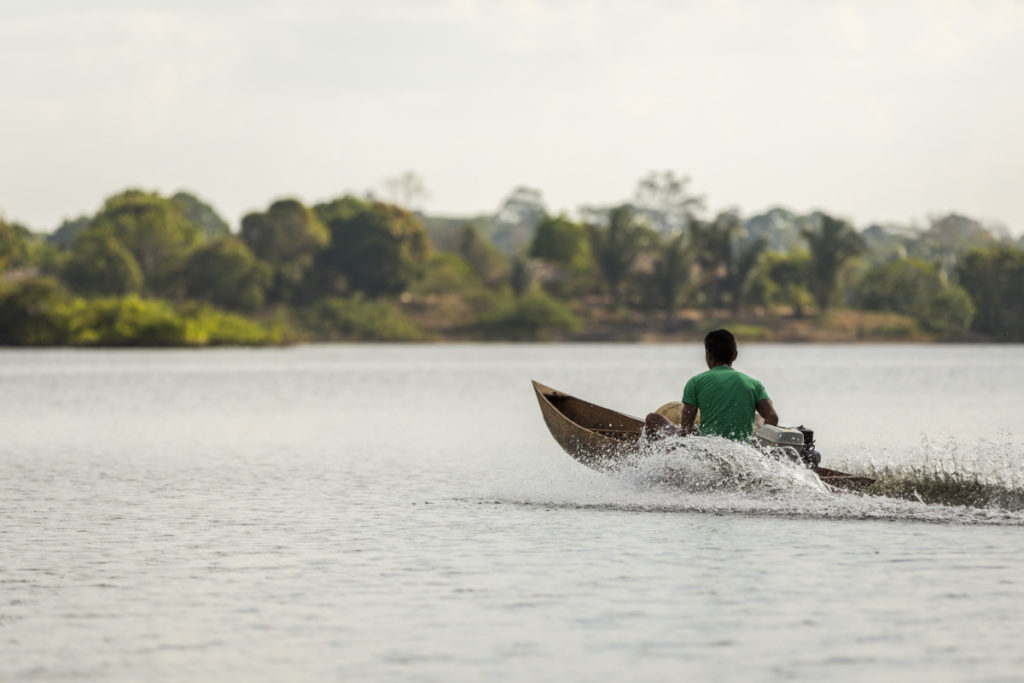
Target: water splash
pixel 699 464
pixel 983 474
pixel 945 484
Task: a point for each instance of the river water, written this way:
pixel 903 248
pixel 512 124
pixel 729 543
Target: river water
pixel 401 513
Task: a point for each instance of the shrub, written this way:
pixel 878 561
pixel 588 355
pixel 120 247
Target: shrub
pixel 535 316
pixel 359 319
pixel 34 312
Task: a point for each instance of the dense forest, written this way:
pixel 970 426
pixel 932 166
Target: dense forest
pixel 147 269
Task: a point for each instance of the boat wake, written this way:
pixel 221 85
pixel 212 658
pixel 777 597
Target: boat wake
pixel 984 474
pixel 944 483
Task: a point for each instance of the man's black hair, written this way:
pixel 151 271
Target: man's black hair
pixel 721 345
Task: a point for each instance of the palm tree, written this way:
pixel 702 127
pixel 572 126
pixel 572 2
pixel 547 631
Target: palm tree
pixel 833 242
pixel 740 269
pixel 616 247
pixel 671 271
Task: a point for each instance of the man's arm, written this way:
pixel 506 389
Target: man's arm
pixel 766 410
pixel 688 417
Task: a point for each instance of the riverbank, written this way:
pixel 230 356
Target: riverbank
pixel 40 312
pixel 599 324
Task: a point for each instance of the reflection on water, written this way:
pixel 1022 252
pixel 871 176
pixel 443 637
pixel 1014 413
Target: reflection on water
pixel 396 512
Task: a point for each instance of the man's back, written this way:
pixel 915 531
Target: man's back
pixel 727 399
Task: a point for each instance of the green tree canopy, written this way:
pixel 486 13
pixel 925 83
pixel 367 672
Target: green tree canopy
pixel 13 245
pixel 226 273
pixel 200 214
pixel 101 265
pixel 616 247
pixel 375 248
pixel 903 286
pixel 152 229
pixel 287 236
pixel 832 242
pixel 561 241
pixel 671 274
pixel 33 313
pixel 486 260
pixel 994 279
pixel 915 288
pixel 726 257
pixel 65 235
pixel 783 279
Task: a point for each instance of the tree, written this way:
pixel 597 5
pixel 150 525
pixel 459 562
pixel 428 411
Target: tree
pixel 517 219
pixel 671 274
pixel 100 265
pixel 405 189
pixel 33 313
pixel 666 201
pixel 375 248
pixel 65 235
pixel 914 287
pixel 200 214
pixel 560 241
pixel 520 277
pixel 488 263
pixel 777 227
pixel 287 236
pixel 152 229
pixel 726 258
pixel 994 280
pixel 13 247
pixel 832 242
pixel 535 315
pixel 616 247
pixel 947 238
pixel 950 311
pixel 226 273
pixel 903 286
pixel 782 279
pixel 740 269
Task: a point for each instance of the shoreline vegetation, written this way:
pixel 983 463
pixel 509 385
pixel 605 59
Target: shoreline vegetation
pixel 153 270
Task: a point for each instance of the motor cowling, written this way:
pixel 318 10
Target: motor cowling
pixel 794 443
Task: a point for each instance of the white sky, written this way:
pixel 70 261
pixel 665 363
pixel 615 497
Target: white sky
pixel 875 110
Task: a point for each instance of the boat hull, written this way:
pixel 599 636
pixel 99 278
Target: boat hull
pixel 601 438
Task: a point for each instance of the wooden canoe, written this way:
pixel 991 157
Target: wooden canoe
pixel 600 438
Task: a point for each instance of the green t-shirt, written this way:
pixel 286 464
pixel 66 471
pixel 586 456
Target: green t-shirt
pixel 726 399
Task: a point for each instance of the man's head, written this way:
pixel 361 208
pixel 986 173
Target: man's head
pixel 720 348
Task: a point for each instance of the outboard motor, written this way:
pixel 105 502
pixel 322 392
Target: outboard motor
pixel 795 444
pixel 810 456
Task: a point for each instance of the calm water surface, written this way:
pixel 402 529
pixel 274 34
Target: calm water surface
pixel 401 513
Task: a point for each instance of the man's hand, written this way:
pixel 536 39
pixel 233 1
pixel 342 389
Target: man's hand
pixel 766 410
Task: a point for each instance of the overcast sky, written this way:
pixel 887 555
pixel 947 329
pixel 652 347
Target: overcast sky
pixel 878 111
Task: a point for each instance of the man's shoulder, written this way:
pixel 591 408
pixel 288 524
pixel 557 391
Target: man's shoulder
pixel 748 378
pixel 699 376
pixel 728 378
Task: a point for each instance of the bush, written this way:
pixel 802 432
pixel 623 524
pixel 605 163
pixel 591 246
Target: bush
pixel 535 316
pixel 208 326
pixel 915 288
pixel 39 312
pixel 127 321
pixel 34 312
pixel 359 319
pixel 949 312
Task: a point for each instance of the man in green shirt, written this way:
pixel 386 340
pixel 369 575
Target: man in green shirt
pixel 726 398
